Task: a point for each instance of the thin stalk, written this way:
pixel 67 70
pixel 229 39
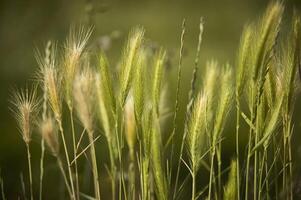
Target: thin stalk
pixel 219 172
pixel 264 163
pixel 290 167
pixel 2 187
pixel 67 157
pixel 193 192
pixel 94 166
pixel 249 148
pixel 45 99
pixel 43 142
pixel 22 184
pixel 29 170
pixel 131 174
pixel 255 164
pixel 237 145
pixel 211 174
pixel 177 107
pixel 275 169
pixel 116 118
pixel 74 152
pixel 60 164
pixel 284 164
pixel 248 166
pixel 113 170
pixel 267 185
pixel 42 167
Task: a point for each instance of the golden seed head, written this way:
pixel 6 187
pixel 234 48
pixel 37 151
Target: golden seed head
pixel 52 82
pixel 74 49
pixel 49 134
pixel 25 108
pixel 130 123
pixel 83 96
pixel 49 76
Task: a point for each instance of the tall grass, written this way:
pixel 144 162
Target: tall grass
pixel 127 105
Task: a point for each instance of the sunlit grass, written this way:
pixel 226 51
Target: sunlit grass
pixel 126 106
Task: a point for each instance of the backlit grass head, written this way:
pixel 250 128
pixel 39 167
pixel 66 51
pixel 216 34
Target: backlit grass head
pixel 49 133
pixel 129 58
pixel 84 97
pixel 25 106
pixel 73 50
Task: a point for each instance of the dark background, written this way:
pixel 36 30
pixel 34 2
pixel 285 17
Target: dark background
pixel 28 24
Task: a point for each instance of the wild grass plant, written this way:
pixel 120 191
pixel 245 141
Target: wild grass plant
pixel 125 105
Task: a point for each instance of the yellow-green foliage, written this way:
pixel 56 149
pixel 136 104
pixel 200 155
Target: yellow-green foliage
pixel 132 110
pixel 129 59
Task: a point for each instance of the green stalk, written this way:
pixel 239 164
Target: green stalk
pixel 284 161
pixel 193 184
pixel 219 165
pixel 249 146
pixel 248 163
pixel 237 145
pixel 275 170
pixel 255 161
pixel 176 109
pixel 42 167
pixel 290 167
pixel 29 171
pixel 94 166
pixel 211 173
pixel 60 164
pixel 113 170
pixel 67 157
pixel 74 152
pixel 267 178
pixel 131 174
pixel 264 163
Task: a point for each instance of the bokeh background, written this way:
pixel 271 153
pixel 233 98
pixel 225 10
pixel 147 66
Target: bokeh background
pixel 26 25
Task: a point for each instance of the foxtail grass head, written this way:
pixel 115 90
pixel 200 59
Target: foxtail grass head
pixel 25 107
pixel 129 59
pixel 196 131
pixel 130 123
pixel 230 189
pixel 74 48
pixel 84 97
pixel 51 79
pixel 49 133
pixel 157 79
pixel 53 84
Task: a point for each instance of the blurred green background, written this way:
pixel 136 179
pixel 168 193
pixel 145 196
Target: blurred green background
pixel 28 24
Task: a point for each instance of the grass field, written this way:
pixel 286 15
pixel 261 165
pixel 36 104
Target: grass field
pixel 104 120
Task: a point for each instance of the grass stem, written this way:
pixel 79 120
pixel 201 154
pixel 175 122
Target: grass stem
pixel 29 171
